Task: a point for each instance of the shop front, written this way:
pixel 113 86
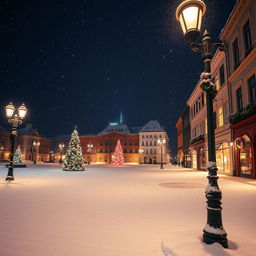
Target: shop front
pixel 244 136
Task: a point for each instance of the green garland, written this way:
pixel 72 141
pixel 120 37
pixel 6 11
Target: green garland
pixel 209 88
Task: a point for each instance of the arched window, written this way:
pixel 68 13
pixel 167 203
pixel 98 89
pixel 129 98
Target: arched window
pixel 142 143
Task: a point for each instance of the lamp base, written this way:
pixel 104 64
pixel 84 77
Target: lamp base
pixel 9 178
pixel 210 238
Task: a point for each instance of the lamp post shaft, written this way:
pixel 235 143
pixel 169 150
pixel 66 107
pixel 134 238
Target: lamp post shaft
pixel 161 166
pixel 214 194
pixel 12 141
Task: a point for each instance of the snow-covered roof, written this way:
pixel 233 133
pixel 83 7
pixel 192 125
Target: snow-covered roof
pixel 121 128
pixel 152 126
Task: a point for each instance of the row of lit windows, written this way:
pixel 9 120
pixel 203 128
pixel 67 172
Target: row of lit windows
pixel 125 143
pixel 150 151
pixel 124 151
pixel 152 136
pixel 220 118
pixel 197 105
pixel 149 143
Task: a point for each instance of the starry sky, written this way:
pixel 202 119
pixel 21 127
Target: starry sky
pixel 82 62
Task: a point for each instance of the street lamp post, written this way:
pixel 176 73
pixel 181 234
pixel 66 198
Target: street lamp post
pixel 141 151
pixel 161 142
pixel 15 120
pixel 189 13
pixel 61 147
pixel 1 150
pixel 89 149
pixel 36 145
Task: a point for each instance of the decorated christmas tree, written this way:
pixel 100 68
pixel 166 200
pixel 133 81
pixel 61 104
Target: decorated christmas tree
pixel 118 155
pixel 74 157
pixel 17 156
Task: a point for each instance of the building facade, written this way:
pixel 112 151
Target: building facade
pixel 186 135
pixel 234 74
pixel 153 152
pixel 180 154
pixel 239 37
pixel 26 138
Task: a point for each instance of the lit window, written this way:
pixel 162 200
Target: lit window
pixel 220 117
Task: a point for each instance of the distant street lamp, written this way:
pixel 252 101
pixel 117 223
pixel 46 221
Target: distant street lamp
pixel 161 142
pixel 189 13
pixel 15 120
pixel 61 147
pixel 36 145
pixel 141 151
pixel 89 149
pixel 1 150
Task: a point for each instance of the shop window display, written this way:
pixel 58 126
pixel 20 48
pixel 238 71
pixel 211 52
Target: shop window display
pixel 223 157
pixel 194 159
pixel 243 144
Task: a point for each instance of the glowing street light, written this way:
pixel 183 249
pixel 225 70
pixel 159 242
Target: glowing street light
pixel 89 149
pixel 141 151
pixel 189 13
pixel 15 119
pixel 61 147
pixel 36 145
pixel 161 142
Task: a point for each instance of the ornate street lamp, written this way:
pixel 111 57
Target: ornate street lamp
pixel 141 151
pixel 161 142
pixel 15 119
pixel 61 147
pixel 89 149
pixel 189 13
pixel 36 145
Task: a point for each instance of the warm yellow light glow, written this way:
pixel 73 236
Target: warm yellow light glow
pixel 189 13
pixel 9 110
pixel 22 111
pixel 231 144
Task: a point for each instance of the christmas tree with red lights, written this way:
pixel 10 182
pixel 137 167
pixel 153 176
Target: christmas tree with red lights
pixel 74 157
pixel 118 155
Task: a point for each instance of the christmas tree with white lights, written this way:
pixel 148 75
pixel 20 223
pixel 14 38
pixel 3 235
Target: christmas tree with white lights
pixel 118 155
pixel 17 156
pixel 74 157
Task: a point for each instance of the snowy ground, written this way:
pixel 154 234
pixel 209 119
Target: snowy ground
pixel 130 211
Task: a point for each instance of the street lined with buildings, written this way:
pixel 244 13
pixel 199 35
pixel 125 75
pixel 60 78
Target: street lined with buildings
pixel 234 75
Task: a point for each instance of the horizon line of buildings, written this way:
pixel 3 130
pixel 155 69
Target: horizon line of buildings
pixel 234 74
pixel 140 144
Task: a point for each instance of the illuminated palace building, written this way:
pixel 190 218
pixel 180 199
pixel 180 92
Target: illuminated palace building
pixel 103 144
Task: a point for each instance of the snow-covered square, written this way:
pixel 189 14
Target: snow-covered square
pixel 113 211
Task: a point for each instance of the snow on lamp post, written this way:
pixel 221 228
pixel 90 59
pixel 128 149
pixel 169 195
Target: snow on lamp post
pixel 61 147
pixel 141 151
pixel 89 149
pixel 36 145
pixel 189 13
pixel 15 118
pixel 161 142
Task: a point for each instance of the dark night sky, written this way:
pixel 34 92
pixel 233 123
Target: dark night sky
pixel 82 62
